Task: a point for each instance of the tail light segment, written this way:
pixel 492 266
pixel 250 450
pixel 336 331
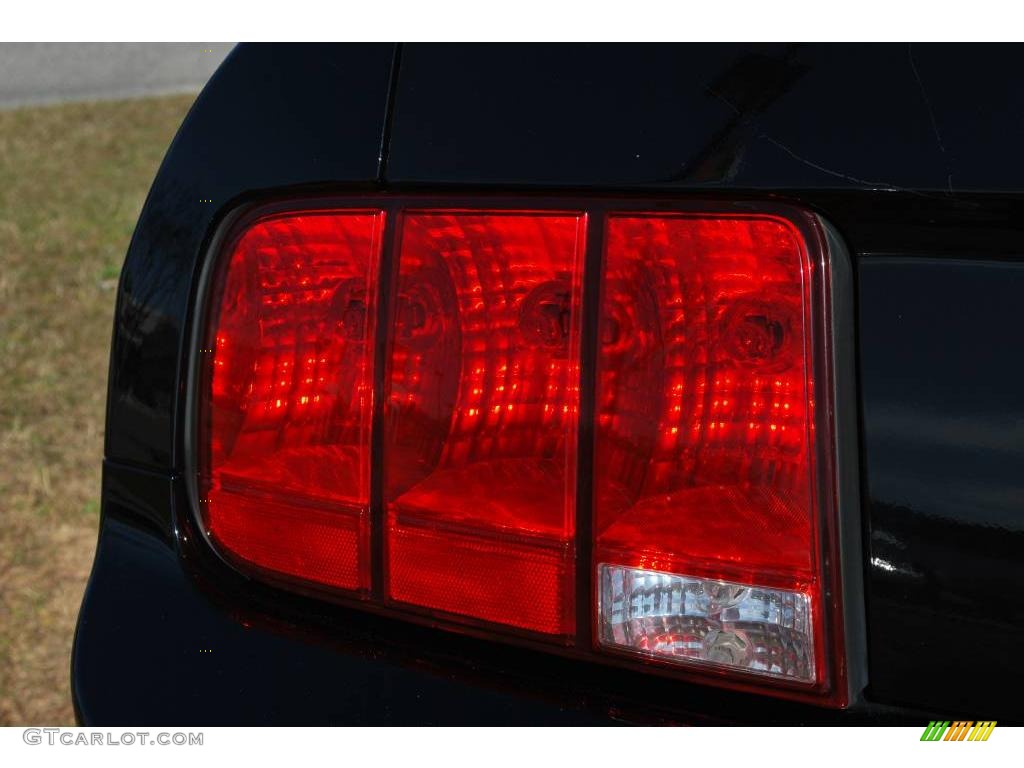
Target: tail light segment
pixel 393 399
pixel 481 416
pixel 704 460
pixel 286 409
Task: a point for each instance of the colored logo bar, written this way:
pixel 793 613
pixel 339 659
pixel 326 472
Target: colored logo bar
pixel 961 730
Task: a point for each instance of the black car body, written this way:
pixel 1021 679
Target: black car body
pixel 910 153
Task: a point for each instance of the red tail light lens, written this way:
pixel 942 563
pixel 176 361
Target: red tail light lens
pixel 482 410
pixel 693 376
pixel 286 418
pixel 704 460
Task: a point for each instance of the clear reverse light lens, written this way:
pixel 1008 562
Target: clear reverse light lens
pixel 686 619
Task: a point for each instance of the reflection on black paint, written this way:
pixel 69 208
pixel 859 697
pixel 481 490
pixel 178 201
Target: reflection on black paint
pixel 811 116
pixel 748 87
pixel 942 374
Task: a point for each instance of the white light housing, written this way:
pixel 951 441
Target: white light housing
pixel 691 620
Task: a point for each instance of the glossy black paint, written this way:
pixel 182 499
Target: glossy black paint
pixel 942 367
pixel 728 116
pixel 910 152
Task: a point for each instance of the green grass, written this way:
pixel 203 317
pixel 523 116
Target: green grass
pixel 72 181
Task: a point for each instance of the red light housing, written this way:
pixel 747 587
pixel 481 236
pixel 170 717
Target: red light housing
pixel 285 421
pixel 481 416
pixel 705 461
pixel 406 415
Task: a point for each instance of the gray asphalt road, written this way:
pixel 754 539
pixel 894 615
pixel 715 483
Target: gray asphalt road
pixel 45 73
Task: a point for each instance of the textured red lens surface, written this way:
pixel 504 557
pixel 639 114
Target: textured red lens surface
pixel 284 429
pixel 706 520
pixel 481 419
pixel 704 399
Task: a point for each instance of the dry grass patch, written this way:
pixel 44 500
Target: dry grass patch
pixel 72 181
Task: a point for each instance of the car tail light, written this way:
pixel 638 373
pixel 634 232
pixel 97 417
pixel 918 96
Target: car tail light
pixel 600 429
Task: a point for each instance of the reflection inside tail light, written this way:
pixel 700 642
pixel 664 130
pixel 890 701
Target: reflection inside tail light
pixel 704 421
pixel 481 421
